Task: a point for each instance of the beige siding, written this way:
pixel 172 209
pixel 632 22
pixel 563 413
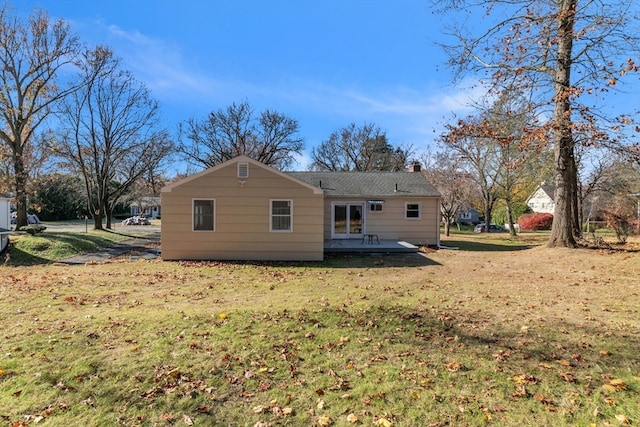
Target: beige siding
pixel 391 223
pixel 242 218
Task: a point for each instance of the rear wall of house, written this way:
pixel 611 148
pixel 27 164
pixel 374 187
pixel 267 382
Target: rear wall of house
pixel 391 223
pixel 242 218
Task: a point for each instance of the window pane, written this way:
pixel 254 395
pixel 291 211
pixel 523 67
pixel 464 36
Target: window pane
pixel 280 215
pixel 413 211
pixel 203 215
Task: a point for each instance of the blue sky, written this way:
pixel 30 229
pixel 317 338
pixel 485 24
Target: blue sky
pixel 325 63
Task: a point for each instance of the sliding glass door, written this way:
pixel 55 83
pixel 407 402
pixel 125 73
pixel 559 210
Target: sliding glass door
pixel 347 220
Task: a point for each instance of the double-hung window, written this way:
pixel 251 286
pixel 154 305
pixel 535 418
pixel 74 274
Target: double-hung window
pixel 281 213
pixel 412 211
pixel 204 214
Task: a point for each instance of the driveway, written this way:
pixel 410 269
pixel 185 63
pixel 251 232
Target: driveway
pixel 144 245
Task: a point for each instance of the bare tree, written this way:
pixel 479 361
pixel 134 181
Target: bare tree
pixel 481 157
pixel 269 137
pixel 568 55
pixel 445 171
pixel 110 132
pixel 360 148
pixel 31 56
pixel 496 147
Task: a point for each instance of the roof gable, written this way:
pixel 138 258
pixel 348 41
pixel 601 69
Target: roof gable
pixel 542 191
pixel 240 159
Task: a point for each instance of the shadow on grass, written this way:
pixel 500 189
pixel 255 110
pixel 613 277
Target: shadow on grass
pixel 476 246
pixel 151 236
pixel 341 260
pixel 377 260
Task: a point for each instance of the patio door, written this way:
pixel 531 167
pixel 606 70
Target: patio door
pixel 347 220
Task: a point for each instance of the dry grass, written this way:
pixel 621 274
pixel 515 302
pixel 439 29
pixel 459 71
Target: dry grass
pixel 506 336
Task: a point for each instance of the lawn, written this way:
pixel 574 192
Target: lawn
pixel 499 331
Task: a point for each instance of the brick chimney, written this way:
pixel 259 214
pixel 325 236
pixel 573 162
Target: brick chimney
pixel 415 167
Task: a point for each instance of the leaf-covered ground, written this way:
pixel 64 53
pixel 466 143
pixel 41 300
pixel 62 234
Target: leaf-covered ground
pixel 454 338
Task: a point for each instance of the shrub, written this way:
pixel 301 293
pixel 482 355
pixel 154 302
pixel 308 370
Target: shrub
pixel 535 221
pixel 499 215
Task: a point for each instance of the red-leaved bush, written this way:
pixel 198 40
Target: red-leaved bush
pixel 535 221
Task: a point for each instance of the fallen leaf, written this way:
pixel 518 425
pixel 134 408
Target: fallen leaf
pixel 614 385
pixel 622 419
pixel 187 420
pixel 383 422
pixel 324 421
pixel 567 376
pixel 452 367
pixel 352 418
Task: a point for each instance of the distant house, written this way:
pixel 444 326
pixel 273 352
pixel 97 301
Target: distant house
pixel 468 215
pixel 146 206
pixel 542 199
pixel 5 221
pixel 245 210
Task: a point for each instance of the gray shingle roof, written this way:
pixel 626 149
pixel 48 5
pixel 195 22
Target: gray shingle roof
pixel 369 184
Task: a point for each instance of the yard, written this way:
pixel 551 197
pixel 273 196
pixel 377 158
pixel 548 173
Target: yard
pixel 498 332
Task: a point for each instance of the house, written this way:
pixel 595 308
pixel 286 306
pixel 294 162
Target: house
pixel 245 210
pixel 146 206
pixel 468 215
pixel 5 222
pixel 542 199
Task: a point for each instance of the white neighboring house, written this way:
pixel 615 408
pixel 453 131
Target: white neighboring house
pixel 146 206
pixel 542 200
pixel 5 222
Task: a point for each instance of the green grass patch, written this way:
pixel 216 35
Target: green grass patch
pixel 360 340
pixel 50 246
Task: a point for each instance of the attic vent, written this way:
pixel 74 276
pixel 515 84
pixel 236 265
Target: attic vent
pixel 243 170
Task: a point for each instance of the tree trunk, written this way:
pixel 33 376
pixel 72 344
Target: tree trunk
pixel 20 182
pixel 488 207
pixel 565 219
pixel 109 212
pixel 512 227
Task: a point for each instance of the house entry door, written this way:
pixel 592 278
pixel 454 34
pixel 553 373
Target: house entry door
pixel 347 220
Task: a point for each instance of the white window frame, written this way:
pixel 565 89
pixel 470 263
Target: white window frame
pixel 193 215
pixel 375 205
pixel 271 216
pixel 406 211
pixel 243 170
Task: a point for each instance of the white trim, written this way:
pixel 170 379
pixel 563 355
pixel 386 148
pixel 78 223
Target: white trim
pixel 193 200
pixel 348 234
pixel 406 211
pixel 290 230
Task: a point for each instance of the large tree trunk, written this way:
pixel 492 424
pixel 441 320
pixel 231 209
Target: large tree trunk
pixel 565 220
pixel 20 182
pixel 97 221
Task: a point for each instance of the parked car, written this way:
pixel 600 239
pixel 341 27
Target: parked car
pixel 493 228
